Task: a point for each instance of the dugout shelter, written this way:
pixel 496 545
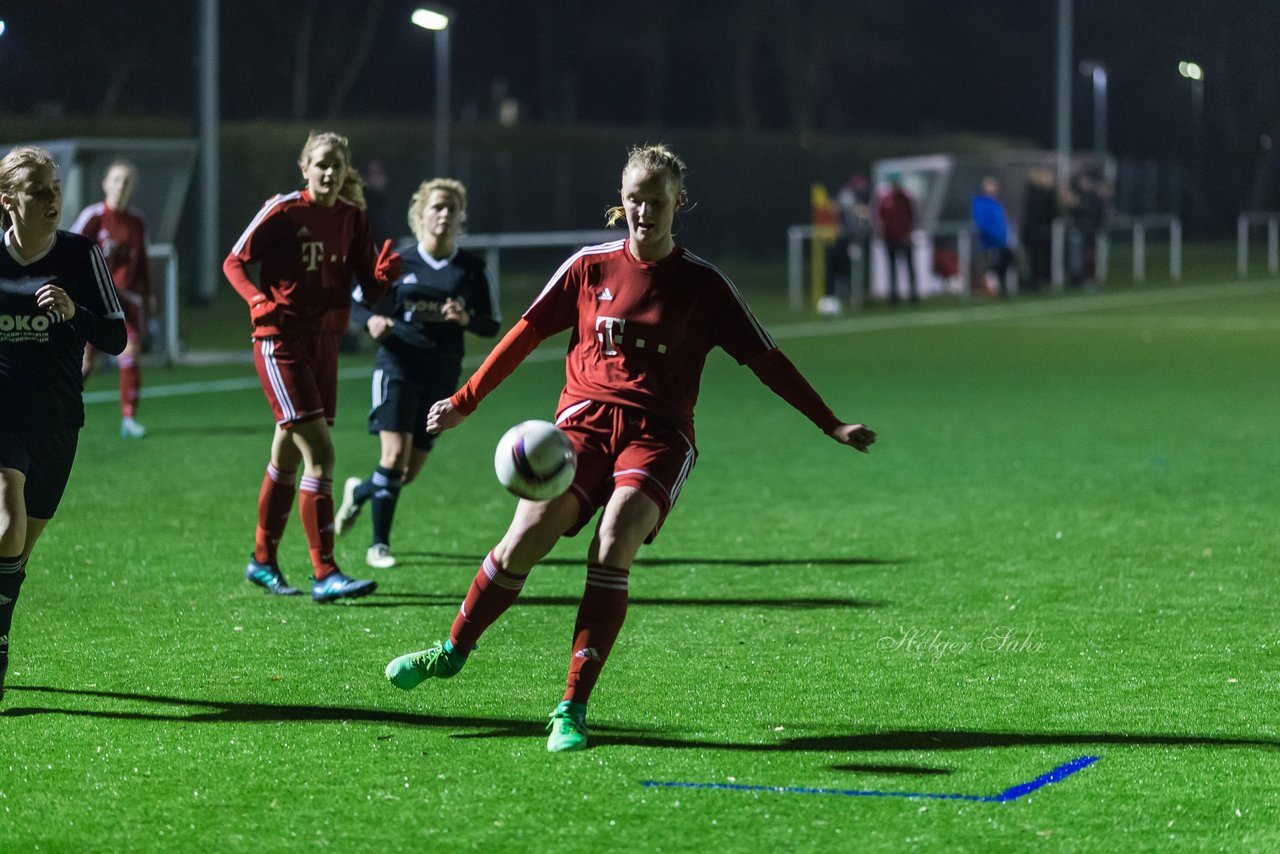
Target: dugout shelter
pixel 943 186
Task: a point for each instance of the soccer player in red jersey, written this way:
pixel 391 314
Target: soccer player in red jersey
pixel 55 295
pixel 307 247
pixel 120 233
pixel 642 314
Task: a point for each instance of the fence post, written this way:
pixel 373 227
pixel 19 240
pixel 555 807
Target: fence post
pixel 1139 253
pixel 491 260
pixel 1273 245
pixel 172 344
pixel 795 267
pixel 1242 246
pixel 1175 249
pixel 1102 256
pixel 1057 253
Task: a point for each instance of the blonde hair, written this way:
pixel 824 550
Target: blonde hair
pixel 652 158
pixel 352 188
pixel 419 203
pixel 123 164
pixel 18 159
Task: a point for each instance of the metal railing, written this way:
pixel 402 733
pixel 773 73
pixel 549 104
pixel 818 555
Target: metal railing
pixel 492 245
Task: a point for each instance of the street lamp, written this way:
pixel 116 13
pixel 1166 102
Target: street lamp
pixel 1193 72
pixel 1096 71
pixel 438 18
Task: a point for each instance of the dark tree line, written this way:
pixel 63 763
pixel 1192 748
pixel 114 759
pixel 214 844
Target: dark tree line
pixel 868 66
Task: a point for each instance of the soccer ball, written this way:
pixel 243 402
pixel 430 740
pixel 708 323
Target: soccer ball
pixel 535 460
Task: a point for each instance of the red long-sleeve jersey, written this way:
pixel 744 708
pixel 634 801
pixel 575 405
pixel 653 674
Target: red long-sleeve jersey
pixel 121 235
pixel 640 333
pixel 308 256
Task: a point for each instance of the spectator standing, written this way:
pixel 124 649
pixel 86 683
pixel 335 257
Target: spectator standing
pixel 1088 218
pixel 1040 208
pixel 848 265
pixel 992 225
pixel 895 221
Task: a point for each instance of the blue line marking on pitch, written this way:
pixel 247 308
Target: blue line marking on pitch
pixel 1011 794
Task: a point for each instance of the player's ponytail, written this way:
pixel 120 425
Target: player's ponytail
pixel 353 188
pixel 653 158
pixel 16 161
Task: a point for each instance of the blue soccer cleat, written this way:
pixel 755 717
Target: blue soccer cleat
pixel 269 577
pixel 335 586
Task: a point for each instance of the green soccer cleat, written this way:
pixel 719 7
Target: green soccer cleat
pixel 568 728
pixel 410 669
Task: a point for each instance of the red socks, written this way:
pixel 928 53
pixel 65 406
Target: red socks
pixel 600 617
pixel 492 592
pixel 275 502
pixel 315 506
pixel 130 386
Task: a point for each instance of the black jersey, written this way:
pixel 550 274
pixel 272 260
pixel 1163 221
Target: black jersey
pixel 416 299
pixel 40 354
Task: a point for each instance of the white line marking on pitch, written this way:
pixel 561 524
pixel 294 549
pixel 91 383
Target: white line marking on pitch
pixel 904 319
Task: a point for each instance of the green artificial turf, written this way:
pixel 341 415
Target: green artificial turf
pixel 1063 545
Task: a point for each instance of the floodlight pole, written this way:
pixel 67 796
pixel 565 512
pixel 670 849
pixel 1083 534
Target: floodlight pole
pixel 443 87
pixel 1097 72
pixel 439 19
pixel 1063 141
pixel 210 258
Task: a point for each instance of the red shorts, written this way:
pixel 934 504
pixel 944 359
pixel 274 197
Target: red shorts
pixel 299 375
pixel 135 318
pixel 624 446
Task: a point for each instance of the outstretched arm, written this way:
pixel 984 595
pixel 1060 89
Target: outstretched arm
pixel 782 377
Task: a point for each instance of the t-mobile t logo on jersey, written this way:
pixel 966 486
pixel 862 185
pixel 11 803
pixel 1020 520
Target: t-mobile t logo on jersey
pixel 312 254
pixel 608 331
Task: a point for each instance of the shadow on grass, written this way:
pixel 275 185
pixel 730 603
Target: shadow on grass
pixel 407 600
pixel 911 770
pixel 473 559
pixel 221 711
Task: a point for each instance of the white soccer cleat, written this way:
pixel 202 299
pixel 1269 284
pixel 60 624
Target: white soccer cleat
pixel 379 556
pixel 349 510
pixel 131 429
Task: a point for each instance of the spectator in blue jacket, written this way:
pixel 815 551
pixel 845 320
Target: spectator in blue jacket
pixel 992 225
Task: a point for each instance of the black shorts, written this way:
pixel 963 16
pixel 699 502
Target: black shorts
pixel 44 456
pixel 401 399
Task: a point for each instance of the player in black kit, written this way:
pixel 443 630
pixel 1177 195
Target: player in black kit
pixel 55 294
pixel 442 292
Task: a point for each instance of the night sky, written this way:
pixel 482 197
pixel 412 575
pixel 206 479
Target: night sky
pixel 863 65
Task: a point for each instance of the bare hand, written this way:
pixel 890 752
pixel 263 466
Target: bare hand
pixel 379 326
pixel 54 299
pixel 443 416
pixel 453 310
pixel 857 436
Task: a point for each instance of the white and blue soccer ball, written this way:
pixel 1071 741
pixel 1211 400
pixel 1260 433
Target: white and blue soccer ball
pixel 535 460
